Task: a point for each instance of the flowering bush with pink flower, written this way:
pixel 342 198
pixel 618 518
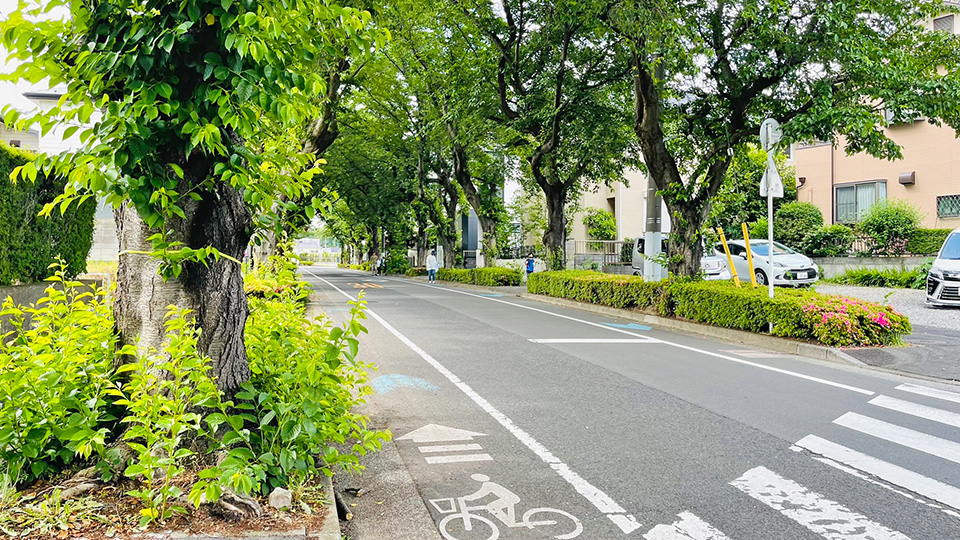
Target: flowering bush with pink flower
pixel 835 321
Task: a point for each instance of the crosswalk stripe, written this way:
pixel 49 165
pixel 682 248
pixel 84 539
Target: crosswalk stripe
pixel 689 527
pixel 894 474
pixel 907 437
pixel 827 518
pixel 908 407
pixel 930 392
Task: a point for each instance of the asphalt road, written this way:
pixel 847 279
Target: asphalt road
pixel 557 423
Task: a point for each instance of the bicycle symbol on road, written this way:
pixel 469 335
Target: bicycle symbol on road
pixel 463 518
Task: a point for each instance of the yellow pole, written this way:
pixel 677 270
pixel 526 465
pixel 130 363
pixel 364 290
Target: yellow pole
pixel 726 249
pixel 746 240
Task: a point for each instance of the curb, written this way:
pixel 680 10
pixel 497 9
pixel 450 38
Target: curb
pixel 730 335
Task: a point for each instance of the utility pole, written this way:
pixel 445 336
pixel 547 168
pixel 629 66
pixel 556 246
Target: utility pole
pixel 652 237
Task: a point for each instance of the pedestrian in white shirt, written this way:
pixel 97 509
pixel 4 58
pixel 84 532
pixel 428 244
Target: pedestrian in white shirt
pixel 432 266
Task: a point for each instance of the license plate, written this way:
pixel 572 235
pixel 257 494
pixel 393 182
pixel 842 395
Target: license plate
pixel 801 275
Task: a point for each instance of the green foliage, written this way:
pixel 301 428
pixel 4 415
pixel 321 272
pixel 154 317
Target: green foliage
pixel 210 100
pixel 298 405
pixel 626 250
pixel 890 224
pixel 397 262
pixel 601 224
pixel 887 277
pixel 927 241
pixel 738 200
pixel 491 276
pixel 29 243
pixel 794 221
pixel 54 372
pixel 276 278
pixel 830 320
pixel 416 271
pixel 829 241
pixel 758 229
pixel 163 396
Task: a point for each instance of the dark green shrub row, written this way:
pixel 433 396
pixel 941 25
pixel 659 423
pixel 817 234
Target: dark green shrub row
pixel 493 277
pixel 801 314
pixel 887 277
pixel 927 241
pixel 365 267
pixel 29 244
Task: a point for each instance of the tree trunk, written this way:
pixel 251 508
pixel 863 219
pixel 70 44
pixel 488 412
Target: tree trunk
pixel 267 248
pixel 685 246
pixel 490 250
pixel 555 235
pixel 213 293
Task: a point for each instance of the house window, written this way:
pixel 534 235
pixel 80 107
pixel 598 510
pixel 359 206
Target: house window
pixel 15 143
pixel 948 206
pixel 852 200
pixel 944 23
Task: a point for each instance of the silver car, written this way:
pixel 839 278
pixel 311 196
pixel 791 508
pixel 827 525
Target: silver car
pixel 712 266
pixel 943 280
pixel 789 267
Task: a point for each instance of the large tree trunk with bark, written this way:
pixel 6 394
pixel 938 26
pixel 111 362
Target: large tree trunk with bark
pixel 214 293
pixel 555 235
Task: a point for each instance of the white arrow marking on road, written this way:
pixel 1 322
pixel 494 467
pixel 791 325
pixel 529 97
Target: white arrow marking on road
pixel 435 433
pixel 690 527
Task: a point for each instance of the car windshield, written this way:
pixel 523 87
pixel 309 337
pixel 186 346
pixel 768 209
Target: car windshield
pixel 760 248
pixel 951 248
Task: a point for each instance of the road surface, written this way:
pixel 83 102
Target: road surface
pixel 517 419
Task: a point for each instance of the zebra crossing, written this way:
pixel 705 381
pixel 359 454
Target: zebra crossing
pixel 835 519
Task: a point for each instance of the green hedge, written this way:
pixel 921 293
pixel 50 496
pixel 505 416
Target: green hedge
pixel 887 277
pixel 416 271
pixel 29 244
pixel 801 314
pixel 927 241
pixel 492 277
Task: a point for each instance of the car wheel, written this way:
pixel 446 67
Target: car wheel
pixel 761 276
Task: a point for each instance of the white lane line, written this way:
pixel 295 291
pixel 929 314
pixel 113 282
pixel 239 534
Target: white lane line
pixel 827 518
pixel 905 478
pixel 603 502
pixel 670 343
pixel 936 446
pixel 433 460
pixel 449 448
pixel 689 527
pixel 922 411
pixel 591 340
pixel 930 392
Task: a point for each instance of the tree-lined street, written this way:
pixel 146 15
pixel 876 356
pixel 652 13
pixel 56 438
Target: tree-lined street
pixel 639 432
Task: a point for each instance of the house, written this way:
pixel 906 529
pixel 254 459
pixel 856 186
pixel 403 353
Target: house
pixel 928 176
pixel 28 140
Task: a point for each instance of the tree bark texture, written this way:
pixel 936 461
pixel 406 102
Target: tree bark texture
pixel 213 293
pixel 555 235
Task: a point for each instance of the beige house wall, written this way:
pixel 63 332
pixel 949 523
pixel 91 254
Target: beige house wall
pixel 932 153
pixel 29 140
pixel 627 203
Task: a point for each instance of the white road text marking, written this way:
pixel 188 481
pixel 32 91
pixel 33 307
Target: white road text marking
pixel 433 460
pixel 449 448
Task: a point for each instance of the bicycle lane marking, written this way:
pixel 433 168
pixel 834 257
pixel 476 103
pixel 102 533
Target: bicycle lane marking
pixel 603 502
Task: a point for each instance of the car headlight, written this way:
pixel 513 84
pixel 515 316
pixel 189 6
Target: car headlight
pixel 778 264
pixel 936 272
pixel 712 266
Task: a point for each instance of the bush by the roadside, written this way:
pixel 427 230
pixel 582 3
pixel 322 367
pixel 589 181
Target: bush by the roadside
pixel 829 241
pixel 362 266
pixel 887 277
pixel 890 224
pixel 275 278
pixel 927 241
pixel 492 277
pixel 795 221
pixel 800 314
pixel 416 271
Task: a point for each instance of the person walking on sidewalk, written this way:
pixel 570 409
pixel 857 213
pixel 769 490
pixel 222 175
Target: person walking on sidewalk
pixel 432 266
pixel 529 266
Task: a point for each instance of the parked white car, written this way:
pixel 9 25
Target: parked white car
pixel 713 266
pixel 789 267
pixel 943 280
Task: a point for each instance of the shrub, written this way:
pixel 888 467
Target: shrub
pixel 29 244
pixel 890 224
pixel 54 373
pixel 397 262
pixel 626 250
pixel 277 277
pixel 829 241
pixel 794 221
pixel 601 224
pixel 927 241
pixel 491 277
pixel 800 314
pixel 416 271
pixel 758 229
pixel 887 277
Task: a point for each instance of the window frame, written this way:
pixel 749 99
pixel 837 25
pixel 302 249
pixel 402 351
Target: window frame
pixel 940 215
pixel 845 185
pixel 953 23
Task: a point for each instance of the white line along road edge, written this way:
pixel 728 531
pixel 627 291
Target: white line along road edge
pixel 655 340
pixel 599 499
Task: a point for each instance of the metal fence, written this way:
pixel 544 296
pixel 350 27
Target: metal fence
pixel 600 252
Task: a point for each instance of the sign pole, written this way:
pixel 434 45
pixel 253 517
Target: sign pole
pixel 770 239
pixel 771 185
